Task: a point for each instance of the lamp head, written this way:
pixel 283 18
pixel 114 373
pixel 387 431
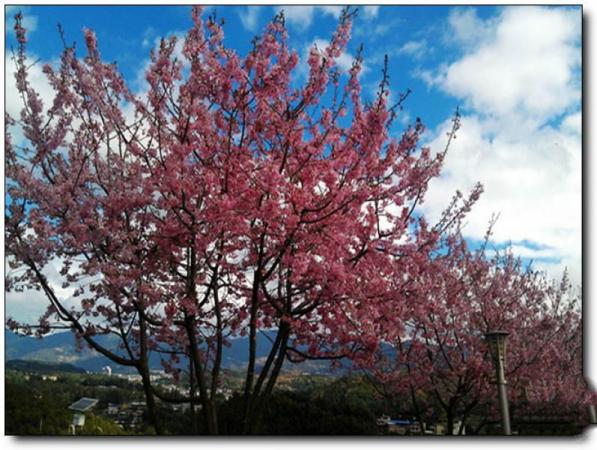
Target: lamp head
pixel 496 339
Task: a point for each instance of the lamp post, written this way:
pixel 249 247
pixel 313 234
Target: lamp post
pixel 80 407
pixel 496 340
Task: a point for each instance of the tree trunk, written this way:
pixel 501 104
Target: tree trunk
pixel 259 399
pixel 192 395
pixel 462 425
pixel 415 404
pixel 450 422
pixel 149 398
pixel 143 368
pixel 206 403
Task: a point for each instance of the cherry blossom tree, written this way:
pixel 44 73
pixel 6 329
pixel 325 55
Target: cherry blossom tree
pixel 226 200
pixel 440 360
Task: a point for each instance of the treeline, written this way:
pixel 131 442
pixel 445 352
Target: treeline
pixel 34 406
pixel 309 405
pixel 344 406
pixel 306 405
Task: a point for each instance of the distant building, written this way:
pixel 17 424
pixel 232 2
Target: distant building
pixel 128 416
pixel 398 426
pixel 225 392
pixel 133 377
pixel 383 421
pixel 457 425
pixel 107 370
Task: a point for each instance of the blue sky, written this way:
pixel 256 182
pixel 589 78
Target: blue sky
pixel 126 34
pixel 515 72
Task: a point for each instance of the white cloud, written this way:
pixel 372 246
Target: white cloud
pixel 249 17
pixel 147 37
pixel 573 123
pixel 344 61
pixel 466 28
pixel 416 49
pixel 29 21
pixel 534 253
pixel 529 64
pixel 428 76
pixel 331 10
pixel 13 103
pixel 404 117
pixel 373 31
pixel 139 84
pixel 380 29
pixel 370 11
pixel 533 181
pixel 37 79
pixel 28 306
pixel 301 17
pixel 521 135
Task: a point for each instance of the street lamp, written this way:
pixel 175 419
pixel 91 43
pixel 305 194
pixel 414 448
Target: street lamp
pixel 80 407
pixel 496 340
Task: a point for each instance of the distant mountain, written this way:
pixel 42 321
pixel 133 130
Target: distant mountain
pixel 42 367
pixel 58 348
pixel 61 348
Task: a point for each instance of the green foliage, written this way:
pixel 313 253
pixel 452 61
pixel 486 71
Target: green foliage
pixel 176 423
pixel 28 411
pixel 41 366
pixel 35 406
pixel 97 425
pixel 346 406
pixel 301 405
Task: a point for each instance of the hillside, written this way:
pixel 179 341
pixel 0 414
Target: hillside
pixel 61 348
pixel 41 367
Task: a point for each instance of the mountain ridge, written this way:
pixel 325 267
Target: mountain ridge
pixel 62 348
